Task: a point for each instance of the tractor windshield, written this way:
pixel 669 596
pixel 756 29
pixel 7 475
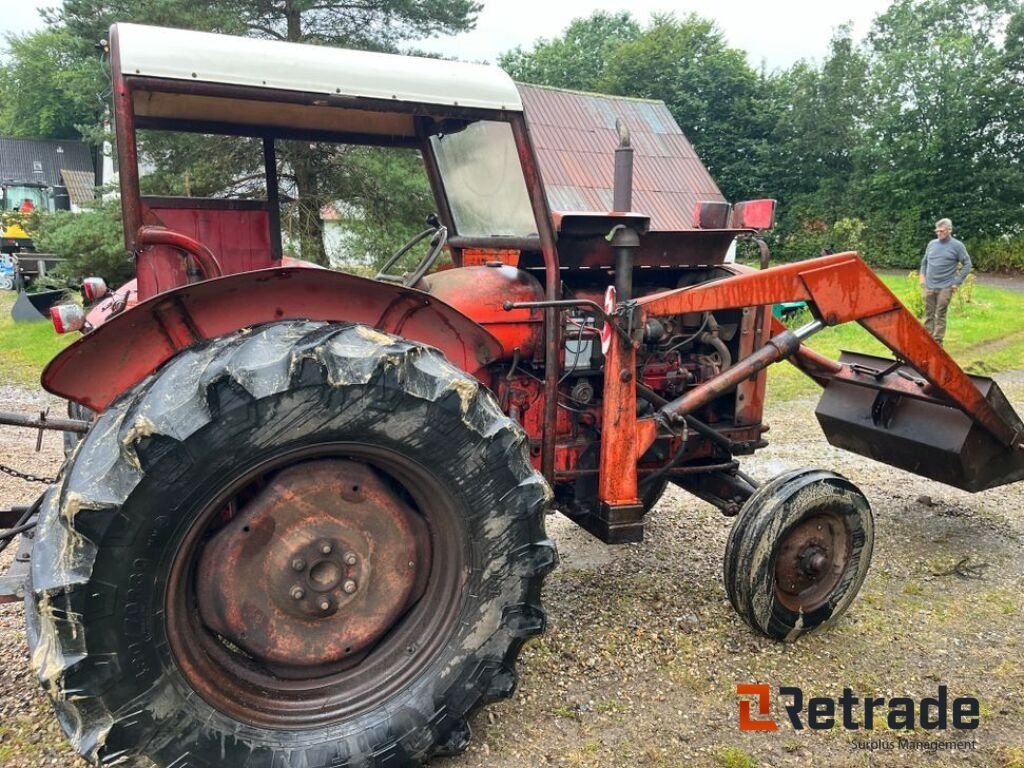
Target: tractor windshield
pixel 483 179
pixel 25 199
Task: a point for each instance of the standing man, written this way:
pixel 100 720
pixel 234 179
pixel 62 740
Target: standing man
pixel 943 268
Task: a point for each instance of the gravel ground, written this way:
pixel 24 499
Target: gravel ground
pixel 29 734
pixel 643 654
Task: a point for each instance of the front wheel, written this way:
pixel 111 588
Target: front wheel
pixel 798 552
pixel 309 544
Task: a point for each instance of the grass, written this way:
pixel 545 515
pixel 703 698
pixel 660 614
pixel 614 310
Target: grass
pixel 1012 757
pixel 25 348
pixel 734 757
pixel 984 335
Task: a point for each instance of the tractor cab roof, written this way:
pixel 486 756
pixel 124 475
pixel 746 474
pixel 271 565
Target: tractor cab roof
pixel 180 75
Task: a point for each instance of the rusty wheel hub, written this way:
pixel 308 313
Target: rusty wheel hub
pixel 315 568
pixel 811 562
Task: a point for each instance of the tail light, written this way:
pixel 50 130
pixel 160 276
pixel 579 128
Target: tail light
pixel 94 288
pixel 67 317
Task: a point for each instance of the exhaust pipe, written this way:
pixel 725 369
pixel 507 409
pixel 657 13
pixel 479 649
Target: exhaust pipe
pixel 624 239
pixel 622 193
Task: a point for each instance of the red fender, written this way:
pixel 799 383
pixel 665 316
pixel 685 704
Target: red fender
pixel 130 346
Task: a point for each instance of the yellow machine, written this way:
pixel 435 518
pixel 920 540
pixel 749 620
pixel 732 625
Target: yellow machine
pixel 18 201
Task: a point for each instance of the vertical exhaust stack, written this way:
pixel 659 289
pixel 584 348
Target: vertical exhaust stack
pixel 623 191
pixel 624 240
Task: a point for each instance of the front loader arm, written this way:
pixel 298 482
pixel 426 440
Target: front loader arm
pixel 919 412
pixel 842 288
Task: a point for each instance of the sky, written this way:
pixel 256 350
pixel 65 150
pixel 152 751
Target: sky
pixel 775 34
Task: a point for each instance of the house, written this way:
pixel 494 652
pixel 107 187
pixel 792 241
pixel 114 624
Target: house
pixel 51 174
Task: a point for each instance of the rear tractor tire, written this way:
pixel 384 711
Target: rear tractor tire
pixel 307 544
pixel 798 553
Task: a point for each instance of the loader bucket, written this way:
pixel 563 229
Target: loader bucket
pixel 33 307
pixel 925 436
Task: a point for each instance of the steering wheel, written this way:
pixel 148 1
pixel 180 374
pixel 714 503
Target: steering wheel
pixel 438 235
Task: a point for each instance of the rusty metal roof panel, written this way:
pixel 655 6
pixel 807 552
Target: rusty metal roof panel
pixel 81 185
pixel 575 137
pixel 577 199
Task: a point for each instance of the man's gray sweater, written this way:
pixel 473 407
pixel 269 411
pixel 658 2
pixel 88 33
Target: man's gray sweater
pixel 941 262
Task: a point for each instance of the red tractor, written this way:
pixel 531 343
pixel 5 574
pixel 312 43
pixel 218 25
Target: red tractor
pixel 305 524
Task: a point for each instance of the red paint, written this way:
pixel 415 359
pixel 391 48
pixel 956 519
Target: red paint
pixel 206 262
pixel 843 288
pixel 131 345
pixel 480 292
pixel 238 240
pixel 754 214
pixel 617 481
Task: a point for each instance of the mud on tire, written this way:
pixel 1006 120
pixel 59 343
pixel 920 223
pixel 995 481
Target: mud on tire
pixel 798 553
pixel 117 519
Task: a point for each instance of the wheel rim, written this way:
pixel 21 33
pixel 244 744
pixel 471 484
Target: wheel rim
pixel 287 661
pixel 812 559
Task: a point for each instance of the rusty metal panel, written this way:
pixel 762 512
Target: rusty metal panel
pixel 575 137
pixel 316 567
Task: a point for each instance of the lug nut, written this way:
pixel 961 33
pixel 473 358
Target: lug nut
pixel 325 549
pixel 298 593
pixel 351 559
pixel 325 605
pixel 349 586
pixel 298 564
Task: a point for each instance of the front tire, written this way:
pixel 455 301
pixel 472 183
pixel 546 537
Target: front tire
pixel 798 553
pixel 166 618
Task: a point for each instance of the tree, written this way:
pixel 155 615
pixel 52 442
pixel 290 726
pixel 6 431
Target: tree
pixel 709 88
pixel 314 174
pixel 814 150
pixel 90 242
pixel 577 60
pixel 944 120
pixel 381 25
pixel 389 193
pixel 819 128
pixel 46 91
pixel 711 91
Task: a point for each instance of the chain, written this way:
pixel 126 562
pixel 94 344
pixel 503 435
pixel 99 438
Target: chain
pixel 26 476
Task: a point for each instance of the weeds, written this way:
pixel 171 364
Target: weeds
pixel 734 757
pixel 964 295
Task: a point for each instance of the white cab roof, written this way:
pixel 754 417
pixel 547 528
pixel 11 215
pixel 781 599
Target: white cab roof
pixel 201 56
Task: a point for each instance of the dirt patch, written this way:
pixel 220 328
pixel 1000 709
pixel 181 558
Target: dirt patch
pixel 643 654
pixel 974 359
